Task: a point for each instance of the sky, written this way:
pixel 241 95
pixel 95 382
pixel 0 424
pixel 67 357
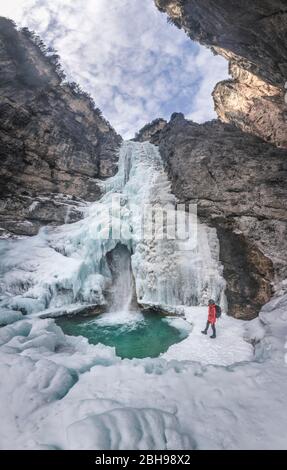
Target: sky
pixel 135 65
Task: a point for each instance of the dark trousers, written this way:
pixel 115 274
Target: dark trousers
pixel 212 326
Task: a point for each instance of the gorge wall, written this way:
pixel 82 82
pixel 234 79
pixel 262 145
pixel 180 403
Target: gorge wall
pixel 238 182
pixel 55 146
pixel 252 36
pixel 231 167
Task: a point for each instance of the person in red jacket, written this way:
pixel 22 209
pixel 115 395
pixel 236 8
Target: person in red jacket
pixel 211 319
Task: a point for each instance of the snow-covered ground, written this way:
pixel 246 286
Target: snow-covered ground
pixel 59 392
pixel 229 347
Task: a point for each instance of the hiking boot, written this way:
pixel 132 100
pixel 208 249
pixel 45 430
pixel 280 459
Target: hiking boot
pixel 204 332
pixel 213 336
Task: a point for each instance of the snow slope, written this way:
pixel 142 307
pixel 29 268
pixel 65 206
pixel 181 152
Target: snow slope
pixel 228 348
pixel 59 392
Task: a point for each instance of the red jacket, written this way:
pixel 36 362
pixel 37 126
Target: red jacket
pixel 212 313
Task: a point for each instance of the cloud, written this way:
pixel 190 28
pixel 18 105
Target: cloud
pixel 124 53
pixel 13 9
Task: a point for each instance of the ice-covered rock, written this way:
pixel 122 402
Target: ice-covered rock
pixel 9 316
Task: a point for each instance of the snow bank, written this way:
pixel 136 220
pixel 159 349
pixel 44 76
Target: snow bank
pixel 59 392
pixel 229 347
pixel 128 429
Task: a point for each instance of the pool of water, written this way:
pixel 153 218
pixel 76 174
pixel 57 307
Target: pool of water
pixel 133 334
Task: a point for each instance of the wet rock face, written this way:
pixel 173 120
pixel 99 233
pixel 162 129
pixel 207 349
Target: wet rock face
pixel 239 184
pixel 252 36
pixel 52 141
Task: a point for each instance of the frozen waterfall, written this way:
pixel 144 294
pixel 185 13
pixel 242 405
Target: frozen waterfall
pixel 69 265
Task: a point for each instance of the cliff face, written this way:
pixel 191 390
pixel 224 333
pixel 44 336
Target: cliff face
pixel 252 36
pixel 252 105
pixel 239 184
pixel 54 146
pixel 150 131
pixel 237 179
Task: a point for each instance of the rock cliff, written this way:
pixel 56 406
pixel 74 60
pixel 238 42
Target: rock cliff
pixel 150 131
pixel 238 182
pixel 236 178
pixel 252 36
pixel 55 146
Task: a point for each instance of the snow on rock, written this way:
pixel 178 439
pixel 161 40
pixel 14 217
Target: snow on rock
pixel 274 316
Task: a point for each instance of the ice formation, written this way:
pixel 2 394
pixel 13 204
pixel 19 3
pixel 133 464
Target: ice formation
pixel 67 265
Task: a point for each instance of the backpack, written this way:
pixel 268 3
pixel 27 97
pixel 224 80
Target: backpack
pixel 218 311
